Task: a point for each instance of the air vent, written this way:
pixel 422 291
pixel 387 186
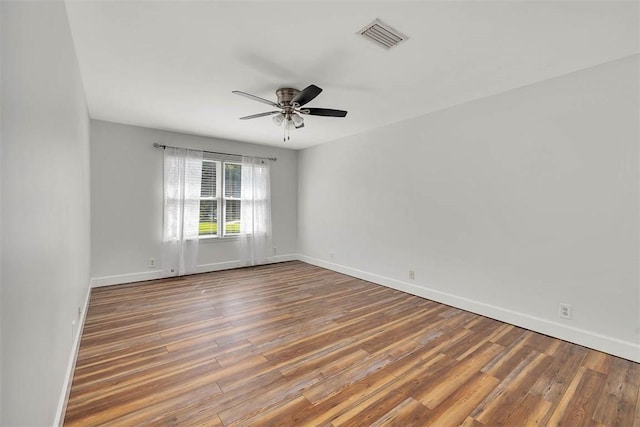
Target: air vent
pixel 382 34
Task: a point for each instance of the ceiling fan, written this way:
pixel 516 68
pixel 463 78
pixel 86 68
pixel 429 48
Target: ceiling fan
pixel 290 101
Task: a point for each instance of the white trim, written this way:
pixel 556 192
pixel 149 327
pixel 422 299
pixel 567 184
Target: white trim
pixel 217 266
pixel 75 347
pixel 206 268
pixel 284 258
pixel 617 347
pixel 120 279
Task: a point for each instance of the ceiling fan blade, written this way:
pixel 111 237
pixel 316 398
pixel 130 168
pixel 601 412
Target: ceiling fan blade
pixel 255 116
pixel 306 95
pixel 256 98
pixel 327 112
pixel 301 126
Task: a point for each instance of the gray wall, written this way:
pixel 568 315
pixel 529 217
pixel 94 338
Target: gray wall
pixel 126 201
pixel 506 206
pixel 44 208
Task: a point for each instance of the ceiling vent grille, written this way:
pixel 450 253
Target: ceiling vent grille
pixel 382 34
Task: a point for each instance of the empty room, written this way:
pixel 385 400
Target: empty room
pixel 320 213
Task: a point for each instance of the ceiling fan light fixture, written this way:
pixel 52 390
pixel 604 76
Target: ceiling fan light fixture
pixel 278 119
pixel 297 120
pixel 289 124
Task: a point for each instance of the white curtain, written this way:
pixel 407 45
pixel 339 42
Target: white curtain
pixel 182 180
pixel 255 218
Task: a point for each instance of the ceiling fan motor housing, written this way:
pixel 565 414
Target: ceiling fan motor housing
pixel 285 95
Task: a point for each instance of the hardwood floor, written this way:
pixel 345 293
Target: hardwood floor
pixel 292 344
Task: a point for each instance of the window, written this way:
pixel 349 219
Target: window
pixel 220 198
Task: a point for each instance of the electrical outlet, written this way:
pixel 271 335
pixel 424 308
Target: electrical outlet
pixel 152 263
pixel 565 311
pixel 412 274
pixel 275 250
pixel 79 312
pixel 331 256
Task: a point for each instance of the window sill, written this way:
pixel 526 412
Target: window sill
pixel 213 239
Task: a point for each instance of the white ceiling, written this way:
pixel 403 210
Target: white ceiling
pixel 173 65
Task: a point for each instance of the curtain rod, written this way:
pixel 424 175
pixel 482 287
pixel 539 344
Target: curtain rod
pixel 273 159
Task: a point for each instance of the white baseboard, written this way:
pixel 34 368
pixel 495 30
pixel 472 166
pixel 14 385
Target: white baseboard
pixel 625 349
pixel 75 347
pixel 120 279
pixel 207 268
pixel 285 258
pixel 217 266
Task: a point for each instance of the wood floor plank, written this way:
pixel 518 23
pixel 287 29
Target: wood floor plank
pixel 375 407
pixel 580 409
pixel 459 375
pixel 530 411
pixel 382 400
pixel 471 422
pixel 408 413
pixel 554 382
pixel 456 407
pixel 561 409
pixel 501 402
pixel 636 419
pixel 348 401
pixel 293 344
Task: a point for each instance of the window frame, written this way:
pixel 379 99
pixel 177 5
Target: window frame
pixel 221 202
pixel 225 198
